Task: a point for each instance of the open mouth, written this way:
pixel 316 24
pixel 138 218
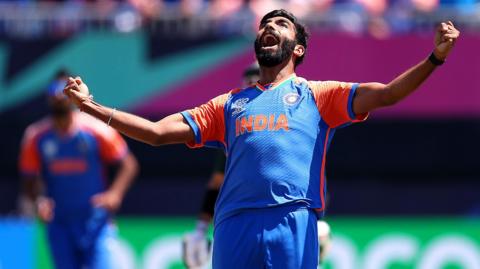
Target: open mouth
pixel 270 41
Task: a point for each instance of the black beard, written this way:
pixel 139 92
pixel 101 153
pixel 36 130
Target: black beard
pixel 270 59
pixel 59 111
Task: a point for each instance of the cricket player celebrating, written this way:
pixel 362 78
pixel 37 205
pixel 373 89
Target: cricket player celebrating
pixel 276 134
pixel 196 245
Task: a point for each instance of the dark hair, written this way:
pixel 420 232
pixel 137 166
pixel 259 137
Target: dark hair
pixel 62 73
pixel 301 34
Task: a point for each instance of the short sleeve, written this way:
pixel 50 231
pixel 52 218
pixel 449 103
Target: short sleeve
pixel 113 147
pixel 29 160
pixel 207 122
pixel 334 101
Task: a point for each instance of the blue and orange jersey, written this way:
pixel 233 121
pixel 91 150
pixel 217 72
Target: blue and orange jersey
pixel 72 165
pixel 276 138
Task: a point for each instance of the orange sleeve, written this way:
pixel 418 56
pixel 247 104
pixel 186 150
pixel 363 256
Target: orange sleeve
pixel 207 121
pixel 112 145
pixel 334 102
pixel 29 161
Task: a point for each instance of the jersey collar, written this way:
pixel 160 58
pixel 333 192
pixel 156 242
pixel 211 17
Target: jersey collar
pixel 273 86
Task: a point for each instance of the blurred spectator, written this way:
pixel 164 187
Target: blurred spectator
pixel 224 8
pixel 321 6
pixel 374 7
pixel 148 8
pixel 425 5
pixel 190 7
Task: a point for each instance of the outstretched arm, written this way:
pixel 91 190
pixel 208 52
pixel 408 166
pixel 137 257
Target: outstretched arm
pixel 370 96
pixel 170 130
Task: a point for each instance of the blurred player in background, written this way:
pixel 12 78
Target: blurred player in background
pixel 276 135
pixel 63 162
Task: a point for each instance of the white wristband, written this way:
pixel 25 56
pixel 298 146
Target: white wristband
pixel 111 116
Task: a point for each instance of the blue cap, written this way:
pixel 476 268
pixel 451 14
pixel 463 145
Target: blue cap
pixel 56 87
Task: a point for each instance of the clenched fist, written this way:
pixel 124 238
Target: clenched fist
pixel 445 38
pixel 77 91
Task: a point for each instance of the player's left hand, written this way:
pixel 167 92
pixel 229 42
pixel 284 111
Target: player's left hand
pixel 445 38
pixel 110 200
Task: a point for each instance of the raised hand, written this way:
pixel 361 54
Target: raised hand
pixel 445 38
pixel 77 91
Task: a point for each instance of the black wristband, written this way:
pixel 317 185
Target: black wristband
pixel 434 60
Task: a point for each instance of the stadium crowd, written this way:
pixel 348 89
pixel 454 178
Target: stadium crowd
pixel 380 18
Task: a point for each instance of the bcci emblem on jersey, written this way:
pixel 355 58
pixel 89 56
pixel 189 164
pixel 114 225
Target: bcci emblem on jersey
pixel 291 99
pixel 239 105
pixel 49 149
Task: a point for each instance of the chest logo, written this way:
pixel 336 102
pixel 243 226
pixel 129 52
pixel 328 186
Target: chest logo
pixel 260 122
pixel 239 105
pixel 291 99
pixel 49 149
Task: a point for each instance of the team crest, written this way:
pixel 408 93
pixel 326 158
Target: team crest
pixel 49 149
pixel 291 99
pixel 239 105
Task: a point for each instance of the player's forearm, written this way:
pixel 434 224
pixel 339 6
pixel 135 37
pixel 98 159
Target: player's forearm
pixel 128 124
pixel 125 175
pixel 32 188
pixel 408 82
pixel 370 96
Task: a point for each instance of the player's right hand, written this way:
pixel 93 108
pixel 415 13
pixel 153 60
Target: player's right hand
pixel 196 250
pixel 110 200
pixel 77 91
pixel 45 207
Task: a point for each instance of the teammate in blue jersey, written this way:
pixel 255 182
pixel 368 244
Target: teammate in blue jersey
pixel 63 160
pixel 276 134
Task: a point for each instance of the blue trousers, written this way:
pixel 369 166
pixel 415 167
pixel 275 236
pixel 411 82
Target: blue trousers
pixel 70 249
pixel 275 237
